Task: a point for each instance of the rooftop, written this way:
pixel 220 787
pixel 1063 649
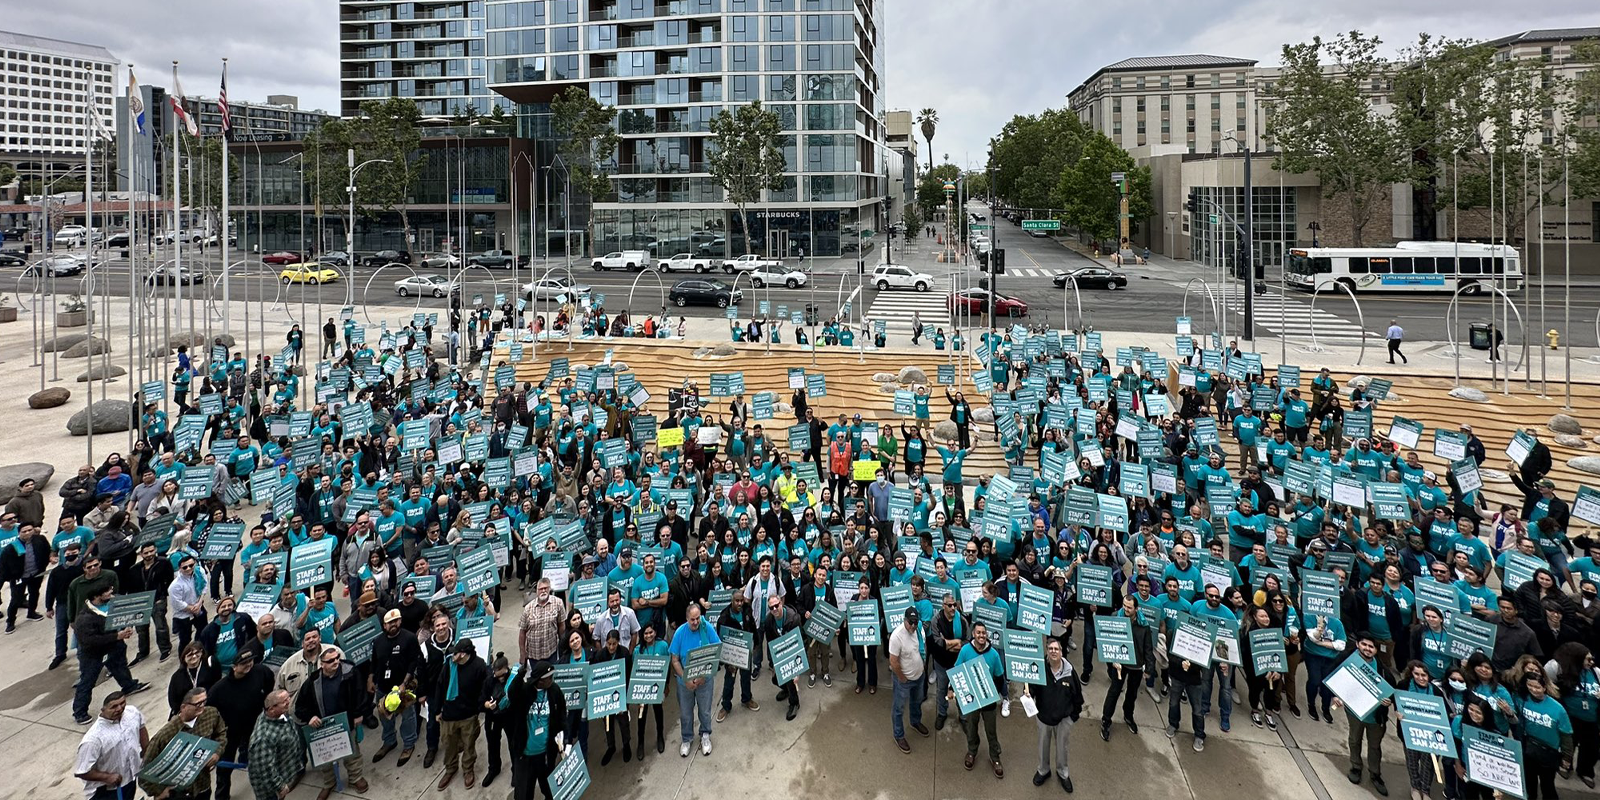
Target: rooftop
pixel 1143 63
pixel 1548 35
pixel 23 41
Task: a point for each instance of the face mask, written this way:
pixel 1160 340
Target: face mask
pixel 1458 686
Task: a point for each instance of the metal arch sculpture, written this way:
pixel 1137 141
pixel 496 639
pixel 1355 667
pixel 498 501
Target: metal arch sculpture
pixel 367 288
pixel 1452 318
pixel 1361 317
pixel 1077 296
pixel 1211 299
pixel 661 287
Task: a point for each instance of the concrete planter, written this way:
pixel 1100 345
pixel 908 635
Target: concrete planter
pixel 8 313
pixel 73 319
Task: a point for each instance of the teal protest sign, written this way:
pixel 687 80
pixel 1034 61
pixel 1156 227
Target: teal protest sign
pixel 1358 685
pixel 311 563
pixel 648 683
pixel 788 654
pixel 1466 634
pixel 1267 651
pixel 824 622
pixel 180 762
pixel 356 641
pixel 130 610
pixel 1034 608
pixel 608 688
pixel 222 541
pixel 973 685
pixel 1424 724
pixel 1114 637
pixel 703 661
pixel 737 647
pixel 1094 584
pixel 573 681
pixel 1493 760
pixel 589 598
pixel 1024 656
pixel 570 778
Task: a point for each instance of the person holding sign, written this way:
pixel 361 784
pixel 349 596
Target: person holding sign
pixel 335 689
pixel 537 713
pixel 1546 736
pixel 1060 703
pixel 780 620
pixel 1264 682
pixel 736 616
pixel 1371 725
pixel 100 648
pixel 980 649
pixel 694 694
pixel 197 719
pixel 1125 678
pixel 613 650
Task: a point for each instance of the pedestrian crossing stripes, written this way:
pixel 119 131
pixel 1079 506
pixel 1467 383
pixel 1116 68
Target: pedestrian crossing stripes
pixel 1030 272
pixel 896 309
pixel 1293 317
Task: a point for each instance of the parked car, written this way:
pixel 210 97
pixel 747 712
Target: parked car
pixel 630 260
pixel 1037 234
pixel 118 239
pixel 1092 278
pixel 778 276
pixel 553 288
pixel 168 274
pixel 685 262
pixel 895 276
pixel 10 259
pixel 704 291
pixel 497 259
pixel 383 257
pixel 312 273
pixel 334 258
pixel 282 257
pixel 438 261
pixel 71 236
pixel 715 247
pixel 749 263
pixel 436 285
pixel 977 301
pixel 59 265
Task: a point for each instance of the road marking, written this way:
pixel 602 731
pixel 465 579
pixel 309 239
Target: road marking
pixel 897 308
pixel 1291 317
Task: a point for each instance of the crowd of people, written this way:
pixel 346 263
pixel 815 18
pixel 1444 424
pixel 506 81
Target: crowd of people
pixel 323 558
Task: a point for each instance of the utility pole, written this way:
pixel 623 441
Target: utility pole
pixel 1247 260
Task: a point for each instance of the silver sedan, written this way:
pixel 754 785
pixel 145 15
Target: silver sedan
pixel 436 285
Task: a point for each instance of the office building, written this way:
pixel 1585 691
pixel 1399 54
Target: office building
pixel 277 120
pixel 902 143
pixel 431 52
pixel 46 86
pixel 669 66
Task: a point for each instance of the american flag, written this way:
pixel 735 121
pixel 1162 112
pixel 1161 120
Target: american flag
pixel 222 105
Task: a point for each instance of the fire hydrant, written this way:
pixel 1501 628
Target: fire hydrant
pixel 1554 338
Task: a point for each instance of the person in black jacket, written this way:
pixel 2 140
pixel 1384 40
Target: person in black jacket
pixel 239 696
pixel 781 620
pixel 22 564
pixel 227 633
pixel 946 634
pixel 335 689
pixel 537 714
pixel 462 689
pixel 737 616
pixel 1372 728
pixel 1060 702
pixel 613 650
pixel 99 648
pixel 396 661
pixel 152 574
pixel 1125 678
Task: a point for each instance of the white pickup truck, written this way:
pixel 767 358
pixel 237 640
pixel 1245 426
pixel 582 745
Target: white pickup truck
pixel 747 263
pixel 686 262
pixel 630 260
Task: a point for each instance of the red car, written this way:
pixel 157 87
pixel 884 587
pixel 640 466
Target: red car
pixel 976 301
pixel 281 258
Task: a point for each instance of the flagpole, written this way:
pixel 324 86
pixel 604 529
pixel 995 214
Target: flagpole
pixel 177 209
pixel 134 373
pixel 88 257
pixel 227 128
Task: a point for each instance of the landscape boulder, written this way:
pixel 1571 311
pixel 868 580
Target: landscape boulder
pixel 110 416
pixel 1588 464
pixel 86 348
pixel 913 375
pixel 64 342
pixel 1469 394
pixel 101 372
pixel 1565 423
pixel 49 398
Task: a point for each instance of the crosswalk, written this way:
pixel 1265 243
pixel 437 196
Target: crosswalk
pixel 1031 272
pixel 897 308
pixel 1293 316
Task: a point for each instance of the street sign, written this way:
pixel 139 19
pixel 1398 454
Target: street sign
pixel 1213 219
pixel 1118 177
pixel 979 227
pixel 1041 224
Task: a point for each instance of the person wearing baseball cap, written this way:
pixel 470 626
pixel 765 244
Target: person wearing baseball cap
pixel 537 714
pixel 395 663
pixel 907 662
pixel 239 696
pixel 460 689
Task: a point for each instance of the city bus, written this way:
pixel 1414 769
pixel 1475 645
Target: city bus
pixel 1406 267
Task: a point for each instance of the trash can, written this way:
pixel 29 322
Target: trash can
pixel 812 317
pixel 1478 335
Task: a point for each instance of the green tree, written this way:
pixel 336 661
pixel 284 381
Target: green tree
pixel 1581 141
pixel 587 145
pixel 1031 154
pixel 930 190
pixel 1326 123
pixel 387 129
pixel 1091 202
pixel 928 121
pixel 913 222
pixel 746 158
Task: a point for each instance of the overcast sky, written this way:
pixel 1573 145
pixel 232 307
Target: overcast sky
pixel 979 62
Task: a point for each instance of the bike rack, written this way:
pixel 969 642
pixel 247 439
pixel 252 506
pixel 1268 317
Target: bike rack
pixel 1361 317
pixel 1452 318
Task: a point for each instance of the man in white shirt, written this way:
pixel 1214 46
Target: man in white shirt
pixel 1396 335
pixel 619 618
pixel 907 663
pixel 111 753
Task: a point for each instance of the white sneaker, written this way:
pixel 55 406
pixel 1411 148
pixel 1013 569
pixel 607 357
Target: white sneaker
pixel 1199 745
pixel 705 744
pixel 1005 708
pixel 683 749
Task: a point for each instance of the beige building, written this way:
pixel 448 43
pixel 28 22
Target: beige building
pixel 901 130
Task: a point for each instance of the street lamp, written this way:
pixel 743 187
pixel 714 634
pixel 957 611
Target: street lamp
pixel 350 190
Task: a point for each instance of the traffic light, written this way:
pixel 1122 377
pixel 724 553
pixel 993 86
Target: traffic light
pixel 983 259
pixel 997 262
pixel 1193 205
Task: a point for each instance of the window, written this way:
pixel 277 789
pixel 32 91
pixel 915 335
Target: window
pixel 780 58
pixel 780 28
pixel 740 29
pixel 1166 102
pixel 1358 265
pixel 1471 266
pixel 1380 266
pixel 1191 126
pixel 1139 104
pixel 1116 105
pixel 1141 127
pixel 1116 82
pixel 1216 100
pixel 742 58
pixel 1216 79
pixel 1189 102
pixel 1116 127
pixel 1188 81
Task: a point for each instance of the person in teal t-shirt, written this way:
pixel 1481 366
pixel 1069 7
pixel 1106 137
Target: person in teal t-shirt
pixel 1547 744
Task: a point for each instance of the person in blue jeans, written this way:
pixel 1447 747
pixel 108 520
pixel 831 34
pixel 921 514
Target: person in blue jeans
pixel 55 597
pixel 737 616
pixel 907 665
pixel 100 648
pixel 1183 682
pixel 693 694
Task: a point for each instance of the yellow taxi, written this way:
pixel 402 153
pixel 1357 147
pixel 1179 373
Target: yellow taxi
pixel 311 272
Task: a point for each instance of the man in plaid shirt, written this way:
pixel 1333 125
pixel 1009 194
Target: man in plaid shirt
pixel 276 751
pixel 539 629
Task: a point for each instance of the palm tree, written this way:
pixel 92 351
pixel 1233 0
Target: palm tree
pixel 929 120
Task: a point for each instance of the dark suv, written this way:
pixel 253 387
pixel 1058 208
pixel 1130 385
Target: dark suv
pixel 704 291
pixel 382 257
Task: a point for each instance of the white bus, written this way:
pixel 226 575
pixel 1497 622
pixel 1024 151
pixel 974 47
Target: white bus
pixel 1406 267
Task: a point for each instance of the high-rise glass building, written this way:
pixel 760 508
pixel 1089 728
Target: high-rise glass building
pixel 429 50
pixel 669 66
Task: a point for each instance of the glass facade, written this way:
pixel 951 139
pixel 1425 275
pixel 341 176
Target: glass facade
pixel 831 232
pixel 1273 224
pixel 432 52
pixel 669 66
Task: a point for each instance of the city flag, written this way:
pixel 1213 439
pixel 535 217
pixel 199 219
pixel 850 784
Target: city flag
pixel 222 105
pixel 135 103
pixel 176 98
